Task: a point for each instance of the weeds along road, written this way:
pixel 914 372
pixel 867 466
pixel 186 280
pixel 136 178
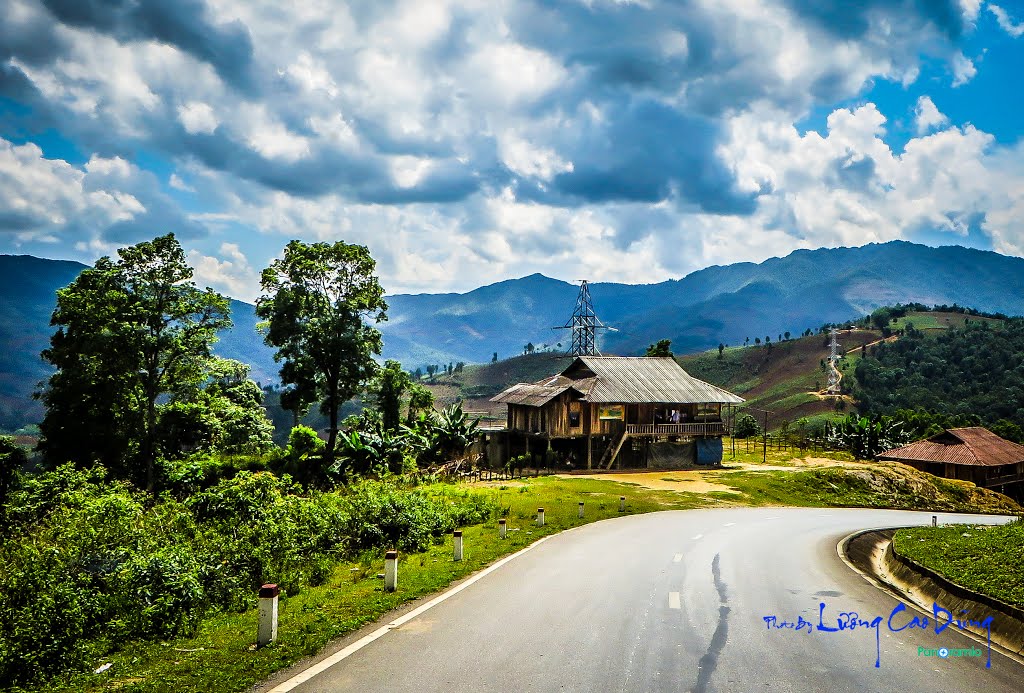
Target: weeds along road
pixel 676 601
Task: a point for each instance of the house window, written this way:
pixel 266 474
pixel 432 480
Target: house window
pixel 574 419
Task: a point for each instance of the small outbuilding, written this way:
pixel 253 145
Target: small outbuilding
pixel 970 454
pixel 609 411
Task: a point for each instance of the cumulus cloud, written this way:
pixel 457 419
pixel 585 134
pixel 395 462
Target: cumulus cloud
pixel 927 115
pixel 230 273
pixel 472 140
pixel 106 202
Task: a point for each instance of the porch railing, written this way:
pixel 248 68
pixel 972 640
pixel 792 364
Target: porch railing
pixel 710 428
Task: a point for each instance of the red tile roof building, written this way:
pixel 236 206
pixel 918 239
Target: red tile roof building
pixel 970 454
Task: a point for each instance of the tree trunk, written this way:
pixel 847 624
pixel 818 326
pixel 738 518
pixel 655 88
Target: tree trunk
pixel 147 445
pixel 332 433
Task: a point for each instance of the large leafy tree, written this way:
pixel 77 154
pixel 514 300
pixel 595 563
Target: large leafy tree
pixel 226 414
pixel 388 388
pixel 128 333
pixel 316 305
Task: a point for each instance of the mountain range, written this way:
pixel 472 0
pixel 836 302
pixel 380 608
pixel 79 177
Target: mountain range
pixel 717 304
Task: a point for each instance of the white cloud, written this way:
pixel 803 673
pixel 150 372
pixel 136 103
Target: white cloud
pixel 42 198
pixel 197 118
pixel 230 273
pixel 927 116
pixel 491 103
pixel 1006 22
pixel 963 69
pixel 178 183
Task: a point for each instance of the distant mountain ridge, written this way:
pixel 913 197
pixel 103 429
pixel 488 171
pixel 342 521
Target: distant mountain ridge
pixel 716 304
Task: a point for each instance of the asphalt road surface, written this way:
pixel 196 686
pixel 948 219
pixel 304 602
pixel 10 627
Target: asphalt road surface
pixel 676 601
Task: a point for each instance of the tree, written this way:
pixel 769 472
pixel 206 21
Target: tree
pixel 757 340
pixel 431 369
pixel 721 348
pixel 226 414
pixel 662 348
pixel 12 458
pixel 746 426
pixel 421 400
pixel 389 387
pixel 494 358
pixel 315 305
pixel 128 333
pixel 786 335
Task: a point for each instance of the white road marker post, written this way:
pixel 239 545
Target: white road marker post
pixel 935 520
pixel 391 571
pixel 622 504
pixel 581 509
pixel 540 517
pixel 502 528
pixel 267 630
pixel 457 541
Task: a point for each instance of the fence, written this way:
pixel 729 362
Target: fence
pixel 504 474
pixel 782 443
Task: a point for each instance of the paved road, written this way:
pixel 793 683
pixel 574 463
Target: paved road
pixel 674 601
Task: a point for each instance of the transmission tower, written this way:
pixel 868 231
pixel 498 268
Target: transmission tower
pixel 584 324
pixel 833 361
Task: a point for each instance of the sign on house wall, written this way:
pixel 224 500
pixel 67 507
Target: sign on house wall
pixel 611 413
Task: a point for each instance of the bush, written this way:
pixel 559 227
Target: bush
pixel 94 562
pixel 746 426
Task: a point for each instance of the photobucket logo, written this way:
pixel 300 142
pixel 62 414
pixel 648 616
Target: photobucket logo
pixel 945 652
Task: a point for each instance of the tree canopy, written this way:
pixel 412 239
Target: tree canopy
pixel 315 305
pixel 128 333
pixel 662 348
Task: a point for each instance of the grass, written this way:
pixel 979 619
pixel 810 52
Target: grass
pixel 989 560
pixel 222 655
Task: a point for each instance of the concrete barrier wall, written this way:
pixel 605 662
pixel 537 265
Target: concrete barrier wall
pixel 872 552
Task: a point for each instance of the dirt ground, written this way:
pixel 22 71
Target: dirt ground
pixel 698 481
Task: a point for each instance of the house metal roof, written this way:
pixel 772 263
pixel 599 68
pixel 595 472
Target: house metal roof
pixel 530 394
pixel 634 379
pixel 621 380
pixel 974 446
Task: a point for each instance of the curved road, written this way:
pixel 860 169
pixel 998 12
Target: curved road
pixel 675 601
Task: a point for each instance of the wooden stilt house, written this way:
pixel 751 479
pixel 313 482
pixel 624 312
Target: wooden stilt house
pixel 605 411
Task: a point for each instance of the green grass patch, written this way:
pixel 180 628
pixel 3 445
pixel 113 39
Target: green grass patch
pixel 989 560
pixel 222 657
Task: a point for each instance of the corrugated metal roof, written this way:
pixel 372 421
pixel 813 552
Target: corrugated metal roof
pixel 975 446
pixel 621 379
pixel 633 379
pixel 530 394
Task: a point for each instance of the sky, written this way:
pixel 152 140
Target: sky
pixel 469 142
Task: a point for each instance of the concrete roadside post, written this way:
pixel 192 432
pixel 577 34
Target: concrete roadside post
pixel 457 541
pixel 935 520
pixel 502 528
pixel 581 509
pixel 540 517
pixel 391 571
pixel 267 630
pixel 622 504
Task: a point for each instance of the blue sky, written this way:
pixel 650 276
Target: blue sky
pixel 470 142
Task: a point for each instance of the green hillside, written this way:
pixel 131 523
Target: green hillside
pixel 476 384
pixel 783 377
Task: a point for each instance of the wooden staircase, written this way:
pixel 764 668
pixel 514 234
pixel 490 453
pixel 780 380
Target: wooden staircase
pixel 612 451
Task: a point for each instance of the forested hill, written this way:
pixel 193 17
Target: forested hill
pixel 974 370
